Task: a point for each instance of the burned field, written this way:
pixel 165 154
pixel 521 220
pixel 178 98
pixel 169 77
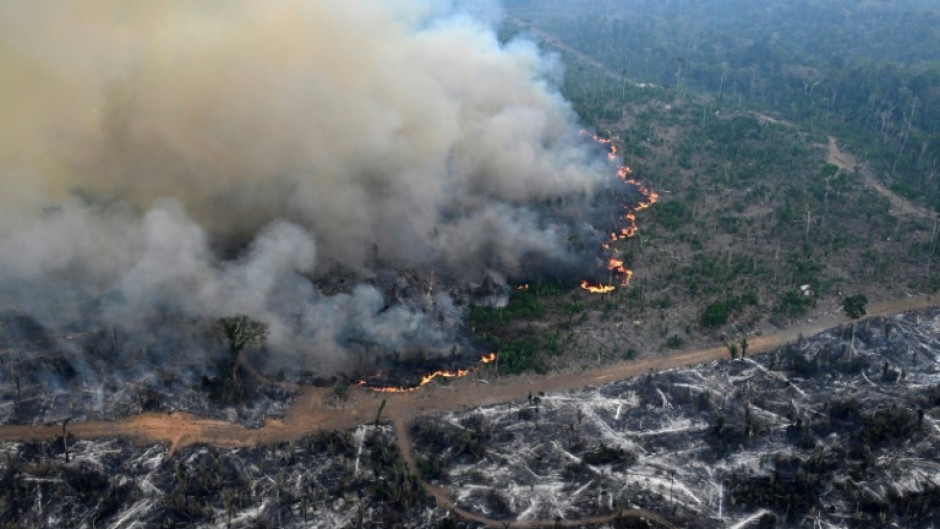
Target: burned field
pixel 49 377
pixel 334 479
pixel 839 430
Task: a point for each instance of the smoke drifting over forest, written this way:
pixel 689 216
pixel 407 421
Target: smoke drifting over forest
pixel 182 161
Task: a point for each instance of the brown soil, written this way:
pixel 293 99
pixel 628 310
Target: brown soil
pixel 847 162
pixel 764 118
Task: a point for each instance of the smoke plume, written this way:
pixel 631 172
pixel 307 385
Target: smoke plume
pixel 185 160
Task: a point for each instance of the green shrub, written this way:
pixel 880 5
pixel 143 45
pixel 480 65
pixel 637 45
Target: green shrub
pixel 716 314
pixel 793 303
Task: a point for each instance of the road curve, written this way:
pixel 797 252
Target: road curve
pixel 847 162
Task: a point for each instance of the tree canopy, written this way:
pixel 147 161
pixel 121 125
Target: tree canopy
pixel 855 306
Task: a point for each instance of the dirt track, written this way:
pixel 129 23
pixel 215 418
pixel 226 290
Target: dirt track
pixel 847 162
pixel 310 414
pixel 558 44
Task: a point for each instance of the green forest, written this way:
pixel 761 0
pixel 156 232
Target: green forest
pixel 866 71
pixel 732 112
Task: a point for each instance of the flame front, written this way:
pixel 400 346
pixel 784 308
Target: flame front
pixel 614 265
pixel 597 289
pixel 612 149
pixel 426 379
pixel 443 374
pixel 628 230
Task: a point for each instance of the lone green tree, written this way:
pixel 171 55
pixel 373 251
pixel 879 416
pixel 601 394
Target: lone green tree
pixel 239 331
pixel 855 306
pixel 732 349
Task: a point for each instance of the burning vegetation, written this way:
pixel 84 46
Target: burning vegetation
pixel 618 273
pixel 181 189
pixel 428 378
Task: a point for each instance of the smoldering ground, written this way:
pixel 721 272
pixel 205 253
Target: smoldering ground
pixel 165 164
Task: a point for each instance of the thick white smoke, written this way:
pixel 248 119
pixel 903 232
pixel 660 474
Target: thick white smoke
pixel 202 158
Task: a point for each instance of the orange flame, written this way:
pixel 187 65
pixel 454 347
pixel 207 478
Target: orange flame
pixel 624 172
pixel 443 374
pixel 426 379
pixel 612 149
pixel 630 229
pixel 597 289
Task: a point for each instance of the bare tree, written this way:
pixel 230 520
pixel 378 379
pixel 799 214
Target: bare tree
pixel 240 331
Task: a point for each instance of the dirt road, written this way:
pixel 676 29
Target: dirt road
pixel 899 204
pixel 558 44
pixel 309 412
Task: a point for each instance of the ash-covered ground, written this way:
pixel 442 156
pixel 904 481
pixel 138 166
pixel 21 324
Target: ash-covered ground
pixel 50 377
pixel 330 480
pixel 840 430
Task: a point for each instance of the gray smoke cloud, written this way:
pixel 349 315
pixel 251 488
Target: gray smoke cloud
pixel 185 160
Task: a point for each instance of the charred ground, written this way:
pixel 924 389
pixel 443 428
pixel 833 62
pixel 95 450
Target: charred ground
pixel 840 428
pixel 335 479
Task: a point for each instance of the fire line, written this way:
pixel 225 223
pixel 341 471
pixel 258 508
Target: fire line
pixel 628 230
pixel 426 379
pixel 614 266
